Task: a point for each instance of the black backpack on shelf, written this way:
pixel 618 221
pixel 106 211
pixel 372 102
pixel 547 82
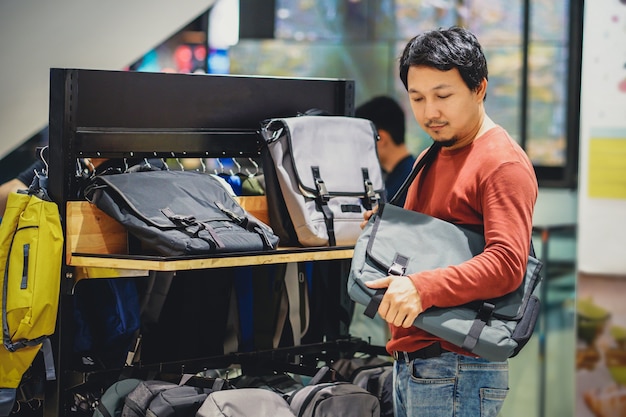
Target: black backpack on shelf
pixel 191 214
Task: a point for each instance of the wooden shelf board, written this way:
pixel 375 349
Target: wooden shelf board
pixel 283 255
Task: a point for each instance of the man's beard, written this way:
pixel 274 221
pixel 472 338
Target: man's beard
pixel 447 143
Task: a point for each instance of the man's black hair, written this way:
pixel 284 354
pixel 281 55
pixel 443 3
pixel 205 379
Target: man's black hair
pixel 445 49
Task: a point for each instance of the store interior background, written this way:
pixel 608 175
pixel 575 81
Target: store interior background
pixel 534 71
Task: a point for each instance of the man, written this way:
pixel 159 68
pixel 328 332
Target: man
pixel 480 178
pixel 393 154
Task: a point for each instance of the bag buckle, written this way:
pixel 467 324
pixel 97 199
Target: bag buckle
pixel 269 135
pixel 486 311
pixel 321 189
pixel 179 219
pixel 398 266
pixel 232 215
pixel 369 190
pixel 372 195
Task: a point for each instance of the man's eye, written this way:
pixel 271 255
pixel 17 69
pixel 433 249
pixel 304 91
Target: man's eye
pixel 444 97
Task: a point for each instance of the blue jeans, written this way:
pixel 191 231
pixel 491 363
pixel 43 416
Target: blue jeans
pixel 450 385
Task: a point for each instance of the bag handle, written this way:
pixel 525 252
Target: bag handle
pixel 427 158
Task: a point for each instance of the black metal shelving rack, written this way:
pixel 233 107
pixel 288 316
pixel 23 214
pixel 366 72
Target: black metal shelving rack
pixel 119 114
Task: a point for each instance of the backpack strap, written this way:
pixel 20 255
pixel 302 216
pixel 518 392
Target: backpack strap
pixel 482 319
pixel 427 158
pixel 298 302
pixel 321 200
pixel 371 198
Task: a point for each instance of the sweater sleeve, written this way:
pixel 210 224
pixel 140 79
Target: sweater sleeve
pixel 506 197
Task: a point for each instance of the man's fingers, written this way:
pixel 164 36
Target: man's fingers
pixel 399 319
pixel 408 321
pixel 379 283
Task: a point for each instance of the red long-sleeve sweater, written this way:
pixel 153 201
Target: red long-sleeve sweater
pixel 489 185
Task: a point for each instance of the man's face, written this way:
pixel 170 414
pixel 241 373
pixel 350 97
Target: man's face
pixel 444 106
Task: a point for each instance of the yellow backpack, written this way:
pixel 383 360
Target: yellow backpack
pixel 31 245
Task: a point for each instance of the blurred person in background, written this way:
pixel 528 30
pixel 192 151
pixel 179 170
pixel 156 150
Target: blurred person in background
pixel 393 154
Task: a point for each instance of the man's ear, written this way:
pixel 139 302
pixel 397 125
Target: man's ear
pixel 481 90
pixel 384 137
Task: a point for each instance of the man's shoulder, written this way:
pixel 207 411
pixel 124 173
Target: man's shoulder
pixel 499 146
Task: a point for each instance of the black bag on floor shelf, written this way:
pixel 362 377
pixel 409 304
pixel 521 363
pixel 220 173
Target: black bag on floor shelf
pixel 158 398
pixel 321 174
pixel 179 213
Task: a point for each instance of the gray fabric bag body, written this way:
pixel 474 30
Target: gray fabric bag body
pixel 372 377
pixel 138 400
pixel 322 173
pixel 329 399
pixel 396 241
pixel 180 401
pixel 7 400
pixel 112 401
pixel 244 402
pixel 179 213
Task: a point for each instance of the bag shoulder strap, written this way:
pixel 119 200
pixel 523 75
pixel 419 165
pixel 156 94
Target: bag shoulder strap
pixel 427 158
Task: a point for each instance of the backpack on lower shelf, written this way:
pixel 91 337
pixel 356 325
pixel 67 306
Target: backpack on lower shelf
pixel 138 400
pixel 323 398
pixel 372 373
pixel 180 401
pixel 157 398
pixel 378 380
pixel 329 399
pixel 245 402
pixel 112 401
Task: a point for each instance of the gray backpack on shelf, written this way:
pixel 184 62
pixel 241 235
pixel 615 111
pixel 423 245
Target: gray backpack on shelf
pixel 136 402
pixel 156 398
pixel 378 380
pixel 180 401
pixel 372 373
pixel 245 402
pixel 321 174
pixel 330 399
pixel 112 401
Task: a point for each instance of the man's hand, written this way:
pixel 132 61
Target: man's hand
pixel 366 216
pixel 401 303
